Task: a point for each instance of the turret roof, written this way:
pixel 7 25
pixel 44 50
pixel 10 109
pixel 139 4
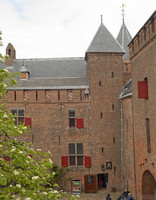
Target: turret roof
pixel 124 38
pixel 104 42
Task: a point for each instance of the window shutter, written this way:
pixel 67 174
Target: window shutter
pixel 88 161
pixel 79 123
pixel 64 160
pixel 142 89
pixel 28 122
pixel 6 158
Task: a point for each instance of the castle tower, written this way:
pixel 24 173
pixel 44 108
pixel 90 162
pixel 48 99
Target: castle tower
pixel 104 61
pixel 11 52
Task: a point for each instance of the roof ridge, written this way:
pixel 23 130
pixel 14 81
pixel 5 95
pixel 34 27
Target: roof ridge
pixel 59 58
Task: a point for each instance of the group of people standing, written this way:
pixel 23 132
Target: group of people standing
pixel 125 196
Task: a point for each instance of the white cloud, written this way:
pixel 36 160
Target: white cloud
pixel 56 28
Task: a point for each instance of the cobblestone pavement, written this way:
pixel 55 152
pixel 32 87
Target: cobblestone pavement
pixel 101 195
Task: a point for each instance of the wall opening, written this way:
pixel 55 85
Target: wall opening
pixel 148 185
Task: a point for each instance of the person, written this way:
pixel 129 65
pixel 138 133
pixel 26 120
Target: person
pixel 125 194
pixel 129 197
pixel 108 197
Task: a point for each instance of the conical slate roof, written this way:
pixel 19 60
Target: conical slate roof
pixel 103 41
pixel 124 38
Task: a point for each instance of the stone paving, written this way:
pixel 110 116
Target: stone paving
pixel 101 195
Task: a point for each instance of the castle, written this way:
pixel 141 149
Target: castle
pixel 96 114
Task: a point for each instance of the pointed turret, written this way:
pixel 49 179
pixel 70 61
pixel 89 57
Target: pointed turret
pixel 104 42
pixel 124 38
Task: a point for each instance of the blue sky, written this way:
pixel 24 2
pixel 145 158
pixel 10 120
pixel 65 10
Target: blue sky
pixel 65 28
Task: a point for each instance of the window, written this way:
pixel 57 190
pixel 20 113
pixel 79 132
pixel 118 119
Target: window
pixel 100 83
pixel 76 154
pixel 112 74
pixel 101 115
pixel 73 122
pixel 36 95
pixel 71 118
pixel 80 95
pixel 148 135
pixel 19 116
pixel 14 95
pixel 58 95
pixel 9 52
pixel 112 106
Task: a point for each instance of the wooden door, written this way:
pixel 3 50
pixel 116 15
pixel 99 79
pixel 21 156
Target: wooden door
pixel 90 183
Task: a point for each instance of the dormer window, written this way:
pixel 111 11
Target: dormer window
pixel 24 73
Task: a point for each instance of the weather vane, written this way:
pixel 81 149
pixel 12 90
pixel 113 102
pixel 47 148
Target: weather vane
pixel 123 14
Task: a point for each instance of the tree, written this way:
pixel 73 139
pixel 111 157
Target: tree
pixel 25 173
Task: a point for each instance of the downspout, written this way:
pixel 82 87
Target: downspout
pixel 122 133
pixel 134 153
pixel 90 136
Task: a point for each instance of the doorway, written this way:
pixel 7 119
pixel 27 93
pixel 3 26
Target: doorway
pixel 102 181
pixel 148 185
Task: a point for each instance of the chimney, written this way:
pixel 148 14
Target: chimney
pixel 11 52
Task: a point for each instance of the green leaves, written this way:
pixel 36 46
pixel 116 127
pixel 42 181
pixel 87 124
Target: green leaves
pixel 25 173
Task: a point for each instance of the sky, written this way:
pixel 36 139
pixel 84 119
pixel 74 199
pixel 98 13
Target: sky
pixel 65 28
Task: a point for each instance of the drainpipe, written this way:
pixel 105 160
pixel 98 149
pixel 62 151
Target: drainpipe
pixel 90 136
pixel 122 132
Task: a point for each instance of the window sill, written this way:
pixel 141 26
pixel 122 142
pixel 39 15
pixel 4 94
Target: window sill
pixel 75 168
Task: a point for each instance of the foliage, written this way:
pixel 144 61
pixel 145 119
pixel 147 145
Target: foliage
pixel 25 173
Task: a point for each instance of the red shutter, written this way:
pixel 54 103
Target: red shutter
pixel 79 123
pixel 28 122
pixel 6 158
pixel 142 89
pixel 88 161
pixel 64 160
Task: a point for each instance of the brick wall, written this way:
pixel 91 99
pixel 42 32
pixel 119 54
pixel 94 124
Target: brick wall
pixel 50 124
pixel 105 129
pixel 143 66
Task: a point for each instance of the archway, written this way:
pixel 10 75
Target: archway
pixel 148 186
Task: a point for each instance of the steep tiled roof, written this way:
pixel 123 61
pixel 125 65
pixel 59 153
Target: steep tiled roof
pixel 124 38
pixel 127 90
pixel 103 41
pixel 52 73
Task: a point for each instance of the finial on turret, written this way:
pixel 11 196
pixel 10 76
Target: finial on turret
pixel 123 14
pixel 101 20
